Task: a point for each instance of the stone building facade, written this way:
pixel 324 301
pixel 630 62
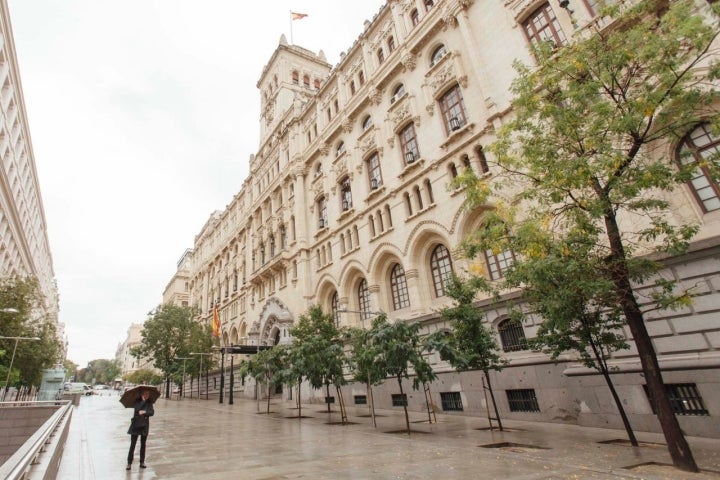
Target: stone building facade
pixel 24 244
pixel 348 205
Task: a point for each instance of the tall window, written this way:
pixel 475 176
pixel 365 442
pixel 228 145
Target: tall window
pixel 441 268
pixel 415 17
pixel 373 169
pixel 322 212
pixel 340 149
pixel 397 93
pixel 364 300
pixel 428 5
pixel 543 26
pixel 452 107
pixel 398 287
pixel 380 55
pixel 306 81
pixel 346 194
pixel 512 336
pixel 408 144
pixel 391 43
pixel 334 303
pixel 283 236
pixel 697 146
pixel 367 122
pixel 295 78
pixel 498 263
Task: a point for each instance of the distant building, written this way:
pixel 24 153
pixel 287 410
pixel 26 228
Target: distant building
pixel 348 206
pixel 128 362
pixel 24 244
pixel 177 290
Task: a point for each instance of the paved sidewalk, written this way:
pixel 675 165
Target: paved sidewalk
pixel 191 439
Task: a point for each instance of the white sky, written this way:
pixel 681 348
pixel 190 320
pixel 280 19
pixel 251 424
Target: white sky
pixel 143 114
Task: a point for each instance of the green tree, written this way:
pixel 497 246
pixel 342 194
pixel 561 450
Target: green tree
pixel 267 368
pixel 143 376
pixel 469 345
pixel 100 370
pixel 399 350
pixel 26 320
pixel 584 155
pixel 317 349
pixel 70 369
pixel 170 333
pixel 363 362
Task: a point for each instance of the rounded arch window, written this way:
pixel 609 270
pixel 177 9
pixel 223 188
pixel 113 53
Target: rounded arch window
pixel 367 122
pixel 340 149
pixel 437 54
pixel 441 268
pixel 512 335
pixel 398 92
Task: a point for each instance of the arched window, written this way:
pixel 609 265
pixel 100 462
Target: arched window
pixel 322 212
pixel 441 268
pixel 306 81
pixel 543 26
pixel 380 55
pixel 512 336
pixel 453 170
pixel 414 17
pixel 398 287
pixel 352 87
pixel 397 93
pixel 316 83
pixel 373 170
pixel 484 167
pixel 334 303
pixel 295 77
pixel 428 188
pixel 367 122
pixel 364 299
pixel 340 149
pixel 391 43
pixel 698 145
pixel 428 5
pixel 437 54
pixel 498 263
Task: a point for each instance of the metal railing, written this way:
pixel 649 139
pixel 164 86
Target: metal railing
pixel 20 464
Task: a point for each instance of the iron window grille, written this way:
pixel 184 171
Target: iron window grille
pixel 685 399
pixel 399 400
pixel 523 400
pixel 512 336
pixel 360 399
pixel 451 401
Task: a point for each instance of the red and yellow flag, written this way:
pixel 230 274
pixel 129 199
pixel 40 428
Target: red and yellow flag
pixel 298 16
pixel 216 322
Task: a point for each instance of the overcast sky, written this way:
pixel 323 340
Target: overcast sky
pixel 143 114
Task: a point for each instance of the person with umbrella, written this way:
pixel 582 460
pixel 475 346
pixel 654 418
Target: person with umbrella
pixel 140 399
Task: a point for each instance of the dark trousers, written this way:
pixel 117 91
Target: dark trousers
pixel 133 442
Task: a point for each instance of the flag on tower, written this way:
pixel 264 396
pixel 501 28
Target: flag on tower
pixel 216 322
pixel 298 16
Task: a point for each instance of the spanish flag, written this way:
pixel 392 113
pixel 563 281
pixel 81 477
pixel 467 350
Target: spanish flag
pixel 216 322
pixel 298 16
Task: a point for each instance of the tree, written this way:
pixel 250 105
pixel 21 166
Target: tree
pixel 267 368
pixel 318 349
pixel 398 350
pixel 143 376
pixel 100 370
pixel 561 283
pixel 469 345
pixel 23 295
pixel 170 333
pixel 584 155
pixel 363 362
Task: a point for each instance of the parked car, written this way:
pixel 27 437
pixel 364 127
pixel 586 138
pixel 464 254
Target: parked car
pixel 78 387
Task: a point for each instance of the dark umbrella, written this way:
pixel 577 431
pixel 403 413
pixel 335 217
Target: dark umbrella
pixel 132 395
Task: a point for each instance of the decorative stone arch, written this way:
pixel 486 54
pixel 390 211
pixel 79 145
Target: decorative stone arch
pixel 273 325
pixel 234 339
pixel 327 286
pixel 350 281
pixel 383 259
pixel 421 245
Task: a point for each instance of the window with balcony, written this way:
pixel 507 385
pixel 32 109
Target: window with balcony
pixel 345 194
pixel 322 212
pixel 409 144
pixel 453 110
pixel 373 169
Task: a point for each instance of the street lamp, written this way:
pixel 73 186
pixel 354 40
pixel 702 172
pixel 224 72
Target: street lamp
pixel 206 376
pixel 183 377
pixel 12 359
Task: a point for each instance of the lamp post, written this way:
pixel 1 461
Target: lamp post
pixel 206 376
pixel 12 359
pixel 182 388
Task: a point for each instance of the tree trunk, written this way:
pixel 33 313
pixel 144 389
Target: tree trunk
pixel 167 387
pixel 678 447
pixel 602 365
pixel 492 397
pixel 407 417
pixel 299 399
pixel 327 396
pixel 371 404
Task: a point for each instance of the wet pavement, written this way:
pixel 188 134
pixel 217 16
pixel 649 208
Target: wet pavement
pixel 193 438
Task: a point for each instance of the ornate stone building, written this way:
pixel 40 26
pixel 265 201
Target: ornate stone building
pixel 24 244
pixel 348 206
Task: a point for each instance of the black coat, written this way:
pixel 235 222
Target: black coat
pixel 140 404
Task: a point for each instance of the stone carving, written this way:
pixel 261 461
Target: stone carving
pixel 400 115
pixel 409 61
pixel 442 77
pixel 368 144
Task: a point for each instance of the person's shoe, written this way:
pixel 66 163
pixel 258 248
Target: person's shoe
pixel 128 467
pixel 142 465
